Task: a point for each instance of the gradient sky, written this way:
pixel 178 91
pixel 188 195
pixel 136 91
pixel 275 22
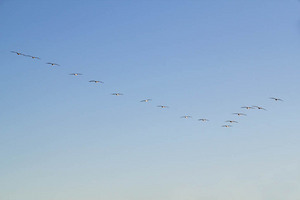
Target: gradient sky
pixel 63 138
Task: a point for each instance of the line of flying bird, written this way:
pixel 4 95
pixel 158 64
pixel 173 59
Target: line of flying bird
pixel 229 122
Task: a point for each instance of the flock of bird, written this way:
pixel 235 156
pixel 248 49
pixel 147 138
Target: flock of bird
pixel 228 122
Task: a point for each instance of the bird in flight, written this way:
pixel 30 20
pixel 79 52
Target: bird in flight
pixel 52 64
pixel 227 126
pixel 239 114
pixel 161 106
pixel 18 53
pixel 231 121
pixel 186 116
pixel 146 100
pixel 259 108
pixel 276 99
pixel 33 57
pixel 75 74
pixel 203 120
pixel 93 81
pixel 117 94
pixel 247 107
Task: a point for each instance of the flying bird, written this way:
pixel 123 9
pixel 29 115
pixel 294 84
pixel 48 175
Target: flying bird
pixel 33 57
pixel 18 53
pixel 247 107
pixel 231 121
pixel 146 100
pixel 161 106
pixel 52 64
pixel 93 81
pixel 76 74
pixel 259 108
pixel 227 126
pixel 239 114
pixel 203 120
pixel 186 116
pixel 117 94
pixel 276 99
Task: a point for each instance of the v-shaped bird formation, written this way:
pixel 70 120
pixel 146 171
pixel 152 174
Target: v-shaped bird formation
pixel 229 123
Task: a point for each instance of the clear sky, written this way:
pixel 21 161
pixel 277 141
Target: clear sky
pixel 63 138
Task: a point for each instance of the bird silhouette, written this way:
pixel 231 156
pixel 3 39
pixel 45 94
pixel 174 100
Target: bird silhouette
pixel 259 108
pixel 76 74
pixel 203 120
pixel 239 114
pixel 146 100
pixel 117 94
pixel 231 121
pixel 247 107
pixel 186 117
pixel 276 99
pixel 18 53
pixel 52 64
pixel 161 106
pixel 94 81
pixel 33 57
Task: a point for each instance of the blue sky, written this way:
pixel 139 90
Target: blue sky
pixel 62 137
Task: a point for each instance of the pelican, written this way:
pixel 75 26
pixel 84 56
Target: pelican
pixel 203 120
pixel 276 99
pixel 247 107
pixel 117 94
pixel 52 64
pixel 18 53
pixel 33 57
pixel 231 121
pixel 146 100
pixel 161 106
pixel 75 74
pixel 186 116
pixel 239 114
pixel 259 108
pixel 93 81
